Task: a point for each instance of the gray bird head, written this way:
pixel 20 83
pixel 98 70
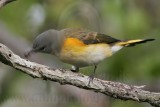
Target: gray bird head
pixel 47 42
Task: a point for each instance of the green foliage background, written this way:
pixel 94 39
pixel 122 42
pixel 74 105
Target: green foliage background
pixel 123 19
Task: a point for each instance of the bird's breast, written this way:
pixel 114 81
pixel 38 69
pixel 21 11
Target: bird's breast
pixel 79 54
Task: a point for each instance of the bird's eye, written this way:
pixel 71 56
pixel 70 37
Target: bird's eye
pixel 42 48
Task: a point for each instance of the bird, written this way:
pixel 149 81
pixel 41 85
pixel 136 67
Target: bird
pixel 80 47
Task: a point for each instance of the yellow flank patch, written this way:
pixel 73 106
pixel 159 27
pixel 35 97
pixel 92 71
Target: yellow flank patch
pixel 73 42
pixel 73 46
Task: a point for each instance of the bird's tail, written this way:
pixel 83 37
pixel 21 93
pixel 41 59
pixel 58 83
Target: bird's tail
pixel 129 43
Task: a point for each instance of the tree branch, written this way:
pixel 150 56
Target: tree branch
pixel 4 2
pixel 63 76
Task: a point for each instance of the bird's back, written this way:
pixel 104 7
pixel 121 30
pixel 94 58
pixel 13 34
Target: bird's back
pixel 89 37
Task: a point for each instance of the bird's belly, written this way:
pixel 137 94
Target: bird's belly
pixel 82 56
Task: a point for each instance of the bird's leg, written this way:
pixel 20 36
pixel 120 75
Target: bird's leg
pixel 75 69
pixel 91 77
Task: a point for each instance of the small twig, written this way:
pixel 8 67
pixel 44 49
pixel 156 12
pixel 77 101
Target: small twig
pixel 5 2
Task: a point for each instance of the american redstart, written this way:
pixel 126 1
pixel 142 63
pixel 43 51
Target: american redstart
pixel 80 47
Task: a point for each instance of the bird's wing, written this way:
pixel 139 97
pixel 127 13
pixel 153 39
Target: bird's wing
pixel 89 37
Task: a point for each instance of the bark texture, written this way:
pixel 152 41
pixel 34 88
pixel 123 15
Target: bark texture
pixel 63 76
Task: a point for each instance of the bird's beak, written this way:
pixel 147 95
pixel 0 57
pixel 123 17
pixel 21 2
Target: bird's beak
pixel 28 54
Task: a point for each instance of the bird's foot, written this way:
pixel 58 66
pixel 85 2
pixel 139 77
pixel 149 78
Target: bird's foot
pixel 75 69
pixel 91 77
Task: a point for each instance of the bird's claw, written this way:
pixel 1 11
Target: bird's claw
pixel 90 79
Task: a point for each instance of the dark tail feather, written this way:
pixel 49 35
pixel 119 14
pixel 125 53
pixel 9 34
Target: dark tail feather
pixel 130 43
